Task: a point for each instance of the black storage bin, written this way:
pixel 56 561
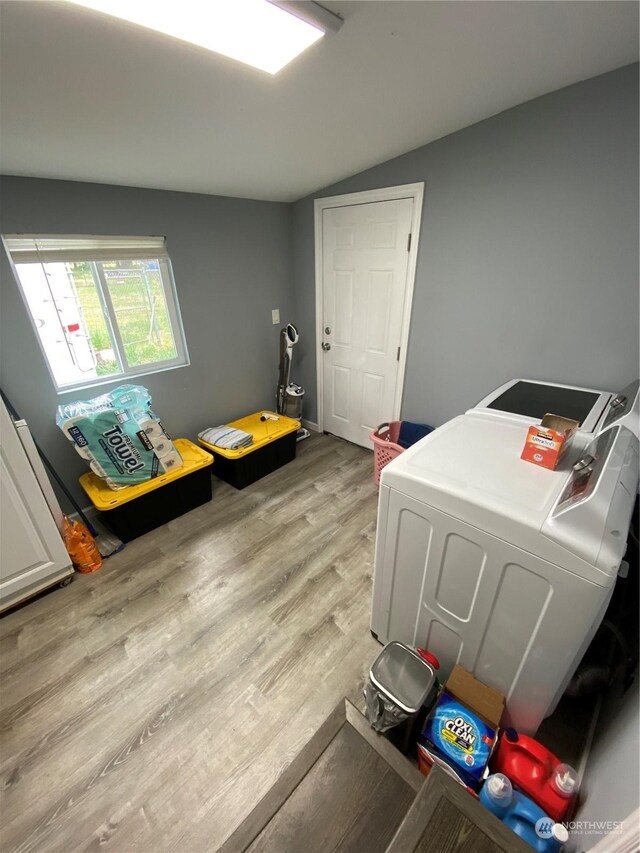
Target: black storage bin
pixel 274 444
pixel 149 511
pixel 140 508
pixel 242 472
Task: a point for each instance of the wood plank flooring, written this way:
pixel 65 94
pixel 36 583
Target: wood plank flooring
pixel 351 800
pixel 150 706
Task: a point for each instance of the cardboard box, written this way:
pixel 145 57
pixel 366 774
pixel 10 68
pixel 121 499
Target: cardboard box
pixel 546 444
pixel 460 732
pixel 487 702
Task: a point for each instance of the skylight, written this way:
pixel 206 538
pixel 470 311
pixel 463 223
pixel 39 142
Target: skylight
pixel 255 32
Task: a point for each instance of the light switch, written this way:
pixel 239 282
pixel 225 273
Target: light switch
pixel 275 316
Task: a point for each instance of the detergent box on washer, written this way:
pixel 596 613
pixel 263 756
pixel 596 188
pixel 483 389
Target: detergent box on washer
pixel 547 443
pixel 460 731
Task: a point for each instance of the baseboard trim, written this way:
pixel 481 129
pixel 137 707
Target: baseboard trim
pixel 90 511
pixel 311 425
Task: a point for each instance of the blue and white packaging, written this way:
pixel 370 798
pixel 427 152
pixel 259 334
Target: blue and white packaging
pixel 120 436
pixel 460 738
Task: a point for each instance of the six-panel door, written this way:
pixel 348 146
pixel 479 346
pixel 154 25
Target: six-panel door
pixel 365 255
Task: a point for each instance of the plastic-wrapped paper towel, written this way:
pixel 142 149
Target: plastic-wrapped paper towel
pixel 120 436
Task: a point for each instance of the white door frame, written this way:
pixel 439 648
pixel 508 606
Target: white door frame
pixel 414 191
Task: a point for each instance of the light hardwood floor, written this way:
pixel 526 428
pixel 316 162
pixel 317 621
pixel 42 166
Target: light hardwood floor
pixel 150 706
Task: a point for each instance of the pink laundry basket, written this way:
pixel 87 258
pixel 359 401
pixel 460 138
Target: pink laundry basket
pixel 385 447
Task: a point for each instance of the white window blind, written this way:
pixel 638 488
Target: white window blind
pixel 36 248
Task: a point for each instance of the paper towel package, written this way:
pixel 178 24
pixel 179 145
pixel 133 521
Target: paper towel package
pixel 120 436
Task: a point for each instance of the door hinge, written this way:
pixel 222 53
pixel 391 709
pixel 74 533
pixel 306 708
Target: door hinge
pixel 409 242
pixel 398 355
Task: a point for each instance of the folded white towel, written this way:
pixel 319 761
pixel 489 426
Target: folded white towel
pixel 226 437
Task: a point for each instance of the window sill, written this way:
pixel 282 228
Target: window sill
pixel 122 378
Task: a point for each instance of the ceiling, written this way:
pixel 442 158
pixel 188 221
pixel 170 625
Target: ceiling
pixel 89 98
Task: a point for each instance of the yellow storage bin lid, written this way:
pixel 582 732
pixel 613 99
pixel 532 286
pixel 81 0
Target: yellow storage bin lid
pixel 104 498
pixel 263 432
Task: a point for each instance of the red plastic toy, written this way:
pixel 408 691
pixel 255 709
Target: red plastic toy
pixel 536 771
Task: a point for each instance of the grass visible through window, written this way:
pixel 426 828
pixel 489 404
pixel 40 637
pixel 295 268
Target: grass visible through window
pixel 138 301
pixel 101 307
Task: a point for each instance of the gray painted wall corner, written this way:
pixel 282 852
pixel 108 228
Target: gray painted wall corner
pixel 528 256
pixel 232 264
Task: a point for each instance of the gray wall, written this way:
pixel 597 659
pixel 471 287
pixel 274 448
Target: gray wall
pixel 528 265
pixel 528 257
pixel 610 789
pixel 232 264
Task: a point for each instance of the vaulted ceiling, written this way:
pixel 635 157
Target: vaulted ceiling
pixel 89 98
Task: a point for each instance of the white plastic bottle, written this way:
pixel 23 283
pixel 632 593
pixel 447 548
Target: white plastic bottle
pixel 497 794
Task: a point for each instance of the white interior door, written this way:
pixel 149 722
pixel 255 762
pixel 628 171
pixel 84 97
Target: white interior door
pixel 365 258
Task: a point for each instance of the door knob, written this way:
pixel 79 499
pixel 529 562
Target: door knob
pixel 325 346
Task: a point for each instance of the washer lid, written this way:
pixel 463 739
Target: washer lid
pixel 536 400
pixel 531 400
pixel 475 458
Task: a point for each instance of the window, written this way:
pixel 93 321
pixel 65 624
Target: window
pixel 102 307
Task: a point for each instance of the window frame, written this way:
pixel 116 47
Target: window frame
pixel 126 371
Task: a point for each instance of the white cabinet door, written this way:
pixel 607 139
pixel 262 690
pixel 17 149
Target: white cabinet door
pixel 365 260
pixel 32 553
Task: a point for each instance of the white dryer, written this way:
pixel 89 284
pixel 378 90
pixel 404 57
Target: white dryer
pixel 498 564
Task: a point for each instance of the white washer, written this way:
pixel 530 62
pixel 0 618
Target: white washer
pixel 498 564
pixel 529 400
